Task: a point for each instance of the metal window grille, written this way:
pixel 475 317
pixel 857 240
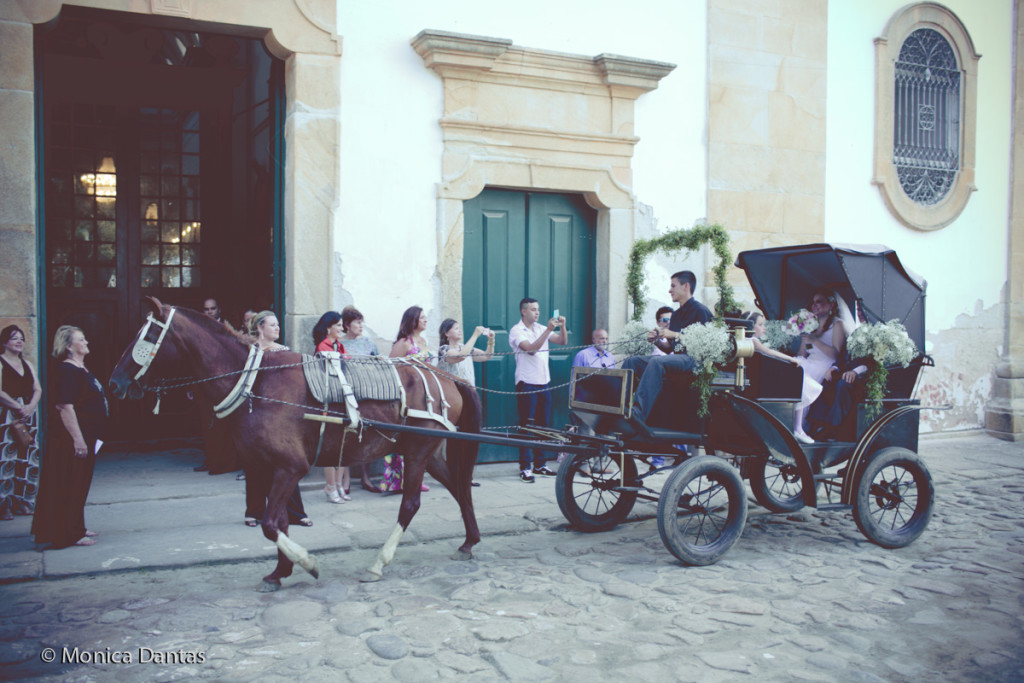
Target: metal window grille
pixel 926 130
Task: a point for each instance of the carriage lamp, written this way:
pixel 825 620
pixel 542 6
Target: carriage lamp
pixel 744 349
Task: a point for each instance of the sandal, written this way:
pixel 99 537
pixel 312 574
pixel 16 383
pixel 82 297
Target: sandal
pixel 252 521
pixel 85 541
pixel 305 521
pixel 90 534
pixel 368 486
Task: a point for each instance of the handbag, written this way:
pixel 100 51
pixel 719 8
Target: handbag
pixel 21 435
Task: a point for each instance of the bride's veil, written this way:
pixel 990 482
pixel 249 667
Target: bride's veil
pixel 849 322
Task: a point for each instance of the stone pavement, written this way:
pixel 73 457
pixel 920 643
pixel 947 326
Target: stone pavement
pixel 800 597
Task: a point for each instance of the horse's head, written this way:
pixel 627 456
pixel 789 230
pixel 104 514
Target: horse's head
pixel 141 352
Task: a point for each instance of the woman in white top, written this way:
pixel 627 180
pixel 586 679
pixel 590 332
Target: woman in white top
pixel 457 358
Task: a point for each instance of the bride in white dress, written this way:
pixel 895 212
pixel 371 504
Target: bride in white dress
pixel 823 348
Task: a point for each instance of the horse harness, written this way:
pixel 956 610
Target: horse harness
pixel 369 378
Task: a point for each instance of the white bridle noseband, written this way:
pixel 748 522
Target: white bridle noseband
pixel 144 351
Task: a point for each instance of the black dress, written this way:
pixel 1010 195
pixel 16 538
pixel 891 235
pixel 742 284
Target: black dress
pixel 65 479
pixel 19 472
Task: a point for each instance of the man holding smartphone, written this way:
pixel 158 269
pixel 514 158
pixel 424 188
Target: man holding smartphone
pixel 529 340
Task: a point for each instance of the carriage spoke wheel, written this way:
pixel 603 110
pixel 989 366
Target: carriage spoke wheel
pixel 588 490
pixel 894 498
pixel 702 510
pixel 776 486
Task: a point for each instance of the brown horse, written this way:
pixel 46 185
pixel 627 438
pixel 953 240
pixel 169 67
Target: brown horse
pixel 277 446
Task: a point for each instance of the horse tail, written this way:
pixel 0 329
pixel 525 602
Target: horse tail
pixel 462 454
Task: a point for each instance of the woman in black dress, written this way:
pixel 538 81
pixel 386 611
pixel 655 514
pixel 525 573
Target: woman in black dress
pixel 71 445
pixel 19 395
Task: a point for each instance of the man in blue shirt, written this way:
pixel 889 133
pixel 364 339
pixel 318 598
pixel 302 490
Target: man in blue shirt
pixel 654 369
pixel 596 356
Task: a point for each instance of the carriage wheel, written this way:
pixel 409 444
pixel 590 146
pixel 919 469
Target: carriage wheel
pixel 586 490
pixel 776 486
pixel 894 498
pixel 702 510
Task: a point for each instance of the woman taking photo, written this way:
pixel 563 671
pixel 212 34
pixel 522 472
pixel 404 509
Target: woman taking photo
pixel 327 338
pixel 19 395
pixel 71 449
pixel 266 330
pixel 457 358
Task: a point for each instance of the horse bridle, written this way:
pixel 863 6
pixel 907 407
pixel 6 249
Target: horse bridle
pixel 144 351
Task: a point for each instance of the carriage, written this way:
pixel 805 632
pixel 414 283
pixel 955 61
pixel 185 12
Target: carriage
pixel 871 468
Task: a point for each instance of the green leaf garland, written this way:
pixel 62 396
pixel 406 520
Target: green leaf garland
pixel 679 240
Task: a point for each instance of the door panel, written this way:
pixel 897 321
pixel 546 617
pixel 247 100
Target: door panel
pixel 526 244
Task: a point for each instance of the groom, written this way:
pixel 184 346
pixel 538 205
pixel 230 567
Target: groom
pixel 653 369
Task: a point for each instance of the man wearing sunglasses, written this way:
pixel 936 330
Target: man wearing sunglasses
pixel 661 320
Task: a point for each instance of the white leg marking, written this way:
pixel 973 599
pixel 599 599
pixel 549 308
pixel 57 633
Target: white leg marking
pixel 296 553
pixel 387 553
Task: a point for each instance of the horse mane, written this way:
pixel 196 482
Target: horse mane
pixel 223 329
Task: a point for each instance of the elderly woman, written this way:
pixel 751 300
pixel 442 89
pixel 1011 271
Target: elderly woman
pixel 70 457
pixel 19 395
pixel 356 344
pixel 266 330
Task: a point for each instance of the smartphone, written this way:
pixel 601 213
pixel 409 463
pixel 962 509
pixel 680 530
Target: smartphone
pixel 555 314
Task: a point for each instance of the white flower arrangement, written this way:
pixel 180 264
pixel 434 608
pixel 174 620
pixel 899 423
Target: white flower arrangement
pixel 707 344
pixel 775 335
pixel 801 322
pixel 633 341
pixel 884 344
pixel 887 343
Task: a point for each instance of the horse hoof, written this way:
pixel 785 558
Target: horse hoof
pixel 269 587
pixel 370 577
pixel 462 555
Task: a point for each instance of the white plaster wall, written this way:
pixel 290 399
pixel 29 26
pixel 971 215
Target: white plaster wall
pixel 964 263
pixel 390 153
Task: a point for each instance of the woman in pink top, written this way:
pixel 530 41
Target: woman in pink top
pixel 409 344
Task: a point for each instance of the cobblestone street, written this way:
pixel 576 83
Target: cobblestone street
pixel 802 597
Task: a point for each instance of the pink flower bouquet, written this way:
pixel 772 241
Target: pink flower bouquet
pixel 801 322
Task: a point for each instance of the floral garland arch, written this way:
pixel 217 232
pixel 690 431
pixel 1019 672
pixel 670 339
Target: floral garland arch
pixel 678 240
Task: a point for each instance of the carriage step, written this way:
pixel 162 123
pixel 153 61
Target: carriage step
pixel 834 506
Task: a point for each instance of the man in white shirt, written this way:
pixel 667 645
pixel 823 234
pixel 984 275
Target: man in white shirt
pixel 529 340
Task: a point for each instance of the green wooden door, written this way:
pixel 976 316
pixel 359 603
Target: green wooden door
pixel 526 244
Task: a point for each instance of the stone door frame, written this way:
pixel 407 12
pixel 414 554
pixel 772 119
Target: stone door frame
pixel 302 33
pixel 529 119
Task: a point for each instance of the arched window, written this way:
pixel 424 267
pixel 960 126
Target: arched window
pixel 925 116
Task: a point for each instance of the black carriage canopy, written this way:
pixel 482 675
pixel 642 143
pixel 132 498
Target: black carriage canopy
pixel 869 277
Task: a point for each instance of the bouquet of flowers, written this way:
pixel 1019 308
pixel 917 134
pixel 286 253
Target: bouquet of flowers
pixel 884 344
pixel 633 341
pixel 776 335
pixel 801 322
pixel 707 344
